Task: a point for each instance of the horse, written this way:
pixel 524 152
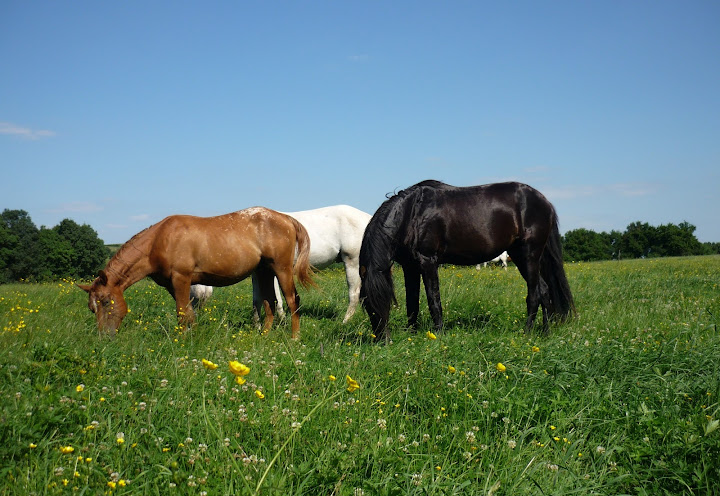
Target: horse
pixel 335 236
pixel 431 223
pixel 181 250
pixel 502 259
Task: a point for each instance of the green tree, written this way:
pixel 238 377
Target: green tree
pixel 21 263
pixel 586 245
pixel 8 244
pixel 637 240
pixel 89 253
pixel 55 256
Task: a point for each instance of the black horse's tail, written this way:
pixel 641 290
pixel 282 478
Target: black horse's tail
pixel 562 305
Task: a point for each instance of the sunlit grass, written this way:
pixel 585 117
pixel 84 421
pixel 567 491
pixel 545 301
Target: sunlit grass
pixel 623 399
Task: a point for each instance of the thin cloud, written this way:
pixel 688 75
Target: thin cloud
pixel 76 207
pixel 24 132
pixel 139 218
pixel 585 191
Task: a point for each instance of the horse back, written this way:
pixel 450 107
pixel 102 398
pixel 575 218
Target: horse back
pixel 223 249
pixel 469 225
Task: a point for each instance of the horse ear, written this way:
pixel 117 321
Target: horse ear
pixel 85 287
pixel 102 276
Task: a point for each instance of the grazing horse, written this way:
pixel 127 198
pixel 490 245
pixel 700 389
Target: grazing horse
pixel 432 223
pixel 181 250
pixel 502 259
pixel 336 234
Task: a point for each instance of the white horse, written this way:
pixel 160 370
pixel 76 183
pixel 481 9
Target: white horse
pixel 502 258
pixel 335 236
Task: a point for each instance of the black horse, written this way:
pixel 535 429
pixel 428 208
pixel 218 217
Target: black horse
pixel 432 223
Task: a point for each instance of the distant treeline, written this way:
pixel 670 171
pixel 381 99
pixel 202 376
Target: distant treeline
pixel 68 250
pixel 639 240
pixel 74 251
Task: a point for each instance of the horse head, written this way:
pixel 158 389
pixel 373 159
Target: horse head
pixel 107 303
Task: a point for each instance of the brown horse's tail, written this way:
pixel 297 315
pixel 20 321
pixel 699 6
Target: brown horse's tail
pixel 303 270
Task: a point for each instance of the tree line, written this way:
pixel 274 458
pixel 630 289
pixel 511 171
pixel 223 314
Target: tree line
pixel 640 240
pixel 68 250
pixel 74 251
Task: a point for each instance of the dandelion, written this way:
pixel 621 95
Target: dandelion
pixel 451 369
pixel 430 335
pixel 501 367
pixel 33 446
pixel 80 388
pixel 239 380
pixel 238 368
pixel 535 349
pixel 352 384
pixel 209 365
pixel 66 450
pixel 259 394
pixel 332 377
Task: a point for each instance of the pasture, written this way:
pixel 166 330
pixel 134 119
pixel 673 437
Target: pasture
pixel 621 400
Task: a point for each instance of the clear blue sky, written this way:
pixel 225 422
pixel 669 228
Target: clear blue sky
pixel 117 114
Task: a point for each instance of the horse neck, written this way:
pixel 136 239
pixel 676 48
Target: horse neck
pixel 130 264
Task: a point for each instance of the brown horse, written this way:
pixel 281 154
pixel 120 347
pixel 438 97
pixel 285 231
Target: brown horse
pixel 181 250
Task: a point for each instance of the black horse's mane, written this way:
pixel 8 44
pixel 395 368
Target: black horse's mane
pixel 382 237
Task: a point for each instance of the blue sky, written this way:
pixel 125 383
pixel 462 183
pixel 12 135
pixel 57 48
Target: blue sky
pixel 117 114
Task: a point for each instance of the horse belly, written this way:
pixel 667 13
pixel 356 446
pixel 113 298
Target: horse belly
pixel 225 266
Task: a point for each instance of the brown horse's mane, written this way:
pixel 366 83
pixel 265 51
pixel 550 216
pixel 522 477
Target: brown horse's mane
pixel 120 259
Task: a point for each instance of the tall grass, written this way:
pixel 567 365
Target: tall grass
pixel 621 400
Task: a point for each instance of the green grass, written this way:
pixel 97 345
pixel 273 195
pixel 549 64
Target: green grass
pixel 621 400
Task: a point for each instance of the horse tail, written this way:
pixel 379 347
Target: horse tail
pixel 302 269
pixel 552 271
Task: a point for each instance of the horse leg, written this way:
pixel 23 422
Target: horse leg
pixel 352 276
pixel 278 298
pixel 431 280
pixel 286 280
pixel 257 300
pixel 181 293
pixel 412 293
pixel 528 263
pixel 267 291
pixel 545 302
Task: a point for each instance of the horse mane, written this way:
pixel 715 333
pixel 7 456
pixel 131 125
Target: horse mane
pixel 380 243
pixel 123 258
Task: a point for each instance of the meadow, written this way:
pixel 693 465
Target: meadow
pixel 623 399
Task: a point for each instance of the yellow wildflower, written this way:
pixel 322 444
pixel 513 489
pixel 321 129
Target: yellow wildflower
pixel 352 384
pixel 332 377
pixel 430 335
pixel 500 367
pixel 451 369
pixel 240 381
pixel 209 365
pixel 80 388
pixel 238 368
pixel 535 349
pixel 65 450
pixel 259 394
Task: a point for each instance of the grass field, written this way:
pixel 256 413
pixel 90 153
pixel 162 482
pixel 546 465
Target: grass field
pixel 621 400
